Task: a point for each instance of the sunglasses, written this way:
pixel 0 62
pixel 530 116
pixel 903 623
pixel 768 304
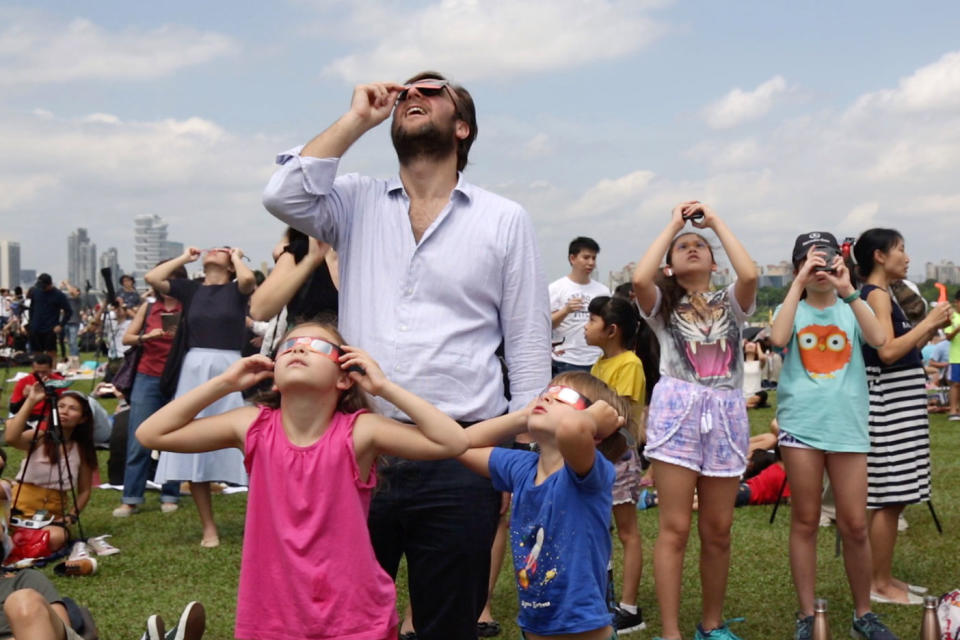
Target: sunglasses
pixel 427 88
pixel 567 396
pixel 318 345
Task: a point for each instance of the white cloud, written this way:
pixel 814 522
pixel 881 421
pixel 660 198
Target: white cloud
pixel 609 195
pixel 98 171
pixel 860 217
pixel 538 146
pixel 36 49
pixel 933 87
pixel 492 38
pixel 739 106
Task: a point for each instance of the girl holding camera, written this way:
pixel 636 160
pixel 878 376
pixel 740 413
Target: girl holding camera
pixel 822 414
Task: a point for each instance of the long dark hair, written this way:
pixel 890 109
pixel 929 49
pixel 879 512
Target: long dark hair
pixel 670 290
pixel 82 434
pixel 646 345
pixel 350 401
pixel 868 242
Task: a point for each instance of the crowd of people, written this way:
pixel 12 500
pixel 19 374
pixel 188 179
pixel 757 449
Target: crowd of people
pixel 405 372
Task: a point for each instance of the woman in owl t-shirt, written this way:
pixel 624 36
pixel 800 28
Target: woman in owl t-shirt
pixel 823 411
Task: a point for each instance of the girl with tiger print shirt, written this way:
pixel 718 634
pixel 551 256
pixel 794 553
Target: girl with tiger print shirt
pixel 697 428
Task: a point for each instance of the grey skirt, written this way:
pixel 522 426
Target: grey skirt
pixel 224 465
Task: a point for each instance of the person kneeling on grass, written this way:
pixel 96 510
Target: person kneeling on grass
pixel 562 498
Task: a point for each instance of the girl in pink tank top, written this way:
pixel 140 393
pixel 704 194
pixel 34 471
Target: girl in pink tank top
pixel 308 568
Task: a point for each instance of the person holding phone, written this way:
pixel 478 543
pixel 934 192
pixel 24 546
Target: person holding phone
pixel 151 329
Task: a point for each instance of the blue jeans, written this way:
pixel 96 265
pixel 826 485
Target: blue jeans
pixel 71 330
pixel 145 399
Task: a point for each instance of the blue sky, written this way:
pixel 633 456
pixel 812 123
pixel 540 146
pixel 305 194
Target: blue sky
pixel 596 115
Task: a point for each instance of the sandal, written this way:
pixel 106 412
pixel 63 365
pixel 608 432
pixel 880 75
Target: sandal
pixel 488 629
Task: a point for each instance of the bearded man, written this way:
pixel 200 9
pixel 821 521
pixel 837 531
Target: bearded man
pixel 436 273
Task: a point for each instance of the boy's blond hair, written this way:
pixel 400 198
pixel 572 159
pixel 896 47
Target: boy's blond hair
pixel 593 388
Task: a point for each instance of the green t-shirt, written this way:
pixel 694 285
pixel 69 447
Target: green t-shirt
pixel 955 342
pixel 822 396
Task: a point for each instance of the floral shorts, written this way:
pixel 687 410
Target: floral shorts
pixel 697 427
pixel 626 485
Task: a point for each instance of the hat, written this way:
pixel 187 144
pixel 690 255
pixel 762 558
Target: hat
pixel 813 239
pixel 44 279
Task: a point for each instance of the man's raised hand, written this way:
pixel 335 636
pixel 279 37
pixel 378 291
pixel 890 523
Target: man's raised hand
pixel 372 103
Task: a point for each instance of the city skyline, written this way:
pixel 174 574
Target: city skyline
pixel 597 116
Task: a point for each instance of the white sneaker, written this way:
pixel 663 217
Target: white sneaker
pixel 101 547
pixel 169 507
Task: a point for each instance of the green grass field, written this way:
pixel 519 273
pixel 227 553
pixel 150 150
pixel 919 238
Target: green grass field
pixel 162 566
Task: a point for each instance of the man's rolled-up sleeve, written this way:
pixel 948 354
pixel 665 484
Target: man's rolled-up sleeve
pixel 305 193
pixel 525 315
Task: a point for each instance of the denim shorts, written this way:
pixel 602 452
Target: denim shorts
pixel 697 427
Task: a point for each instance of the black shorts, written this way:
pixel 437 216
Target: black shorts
pixel 43 341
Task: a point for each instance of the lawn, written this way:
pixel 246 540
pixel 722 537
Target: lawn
pixel 162 566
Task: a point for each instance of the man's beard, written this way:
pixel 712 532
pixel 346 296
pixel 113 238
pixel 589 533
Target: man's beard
pixel 429 141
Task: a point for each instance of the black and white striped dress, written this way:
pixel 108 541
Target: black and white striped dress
pixel 898 464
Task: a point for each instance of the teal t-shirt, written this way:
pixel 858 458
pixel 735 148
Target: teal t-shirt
pixel 822 396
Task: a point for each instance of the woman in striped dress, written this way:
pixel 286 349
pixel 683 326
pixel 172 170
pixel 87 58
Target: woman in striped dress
pixel 898 464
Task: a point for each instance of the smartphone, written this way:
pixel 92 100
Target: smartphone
pixel 169 321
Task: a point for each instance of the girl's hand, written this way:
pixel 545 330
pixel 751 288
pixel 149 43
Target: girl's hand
pixel 37 393
pixel 814 260
pixel 676 216
pixel 840 277
pixel 236 254
pixel 316 251
pixel 939 316
pixel 246 372
pixel 191 254
pixel 365 370
pixel 606 417
pixel 698 209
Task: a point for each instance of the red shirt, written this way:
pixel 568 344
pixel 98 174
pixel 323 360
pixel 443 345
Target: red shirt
pixel 765 486
pixel 22 388
pixel 156 350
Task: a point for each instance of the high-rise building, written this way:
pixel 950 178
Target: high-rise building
pixel 108 259
pixel 28 277
pixel 9 264
pixel 149 243
pixel 81 259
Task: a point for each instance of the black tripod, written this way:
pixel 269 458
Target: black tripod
pixel 54 432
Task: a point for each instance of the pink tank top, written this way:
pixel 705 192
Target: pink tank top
pixel 308 569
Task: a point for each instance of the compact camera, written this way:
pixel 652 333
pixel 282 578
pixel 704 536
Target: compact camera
pixel 829 254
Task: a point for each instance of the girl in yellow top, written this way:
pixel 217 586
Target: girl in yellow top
pixel 613 327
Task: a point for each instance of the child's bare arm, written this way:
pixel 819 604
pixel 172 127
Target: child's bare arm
pixel 436 435
pixel 173 427
pixel 646 270
pixel 579 432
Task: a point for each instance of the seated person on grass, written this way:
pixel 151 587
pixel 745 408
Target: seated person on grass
pixel 562 500
pixel 43 481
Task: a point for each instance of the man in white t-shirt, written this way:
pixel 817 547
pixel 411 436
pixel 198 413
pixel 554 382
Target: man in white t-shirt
pixel 569 298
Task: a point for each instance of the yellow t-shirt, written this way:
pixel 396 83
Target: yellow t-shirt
pixel 624 374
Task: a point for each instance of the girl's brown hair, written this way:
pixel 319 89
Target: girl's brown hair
pixel 616 444
pixel 350 401
pixel 670 290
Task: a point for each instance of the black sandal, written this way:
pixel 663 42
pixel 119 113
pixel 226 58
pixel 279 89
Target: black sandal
pixel 488 629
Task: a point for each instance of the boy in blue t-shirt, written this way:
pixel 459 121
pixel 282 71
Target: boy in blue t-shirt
pixel 560 524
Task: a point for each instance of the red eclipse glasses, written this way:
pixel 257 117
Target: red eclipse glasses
pixel 567 396
pixel 318 345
